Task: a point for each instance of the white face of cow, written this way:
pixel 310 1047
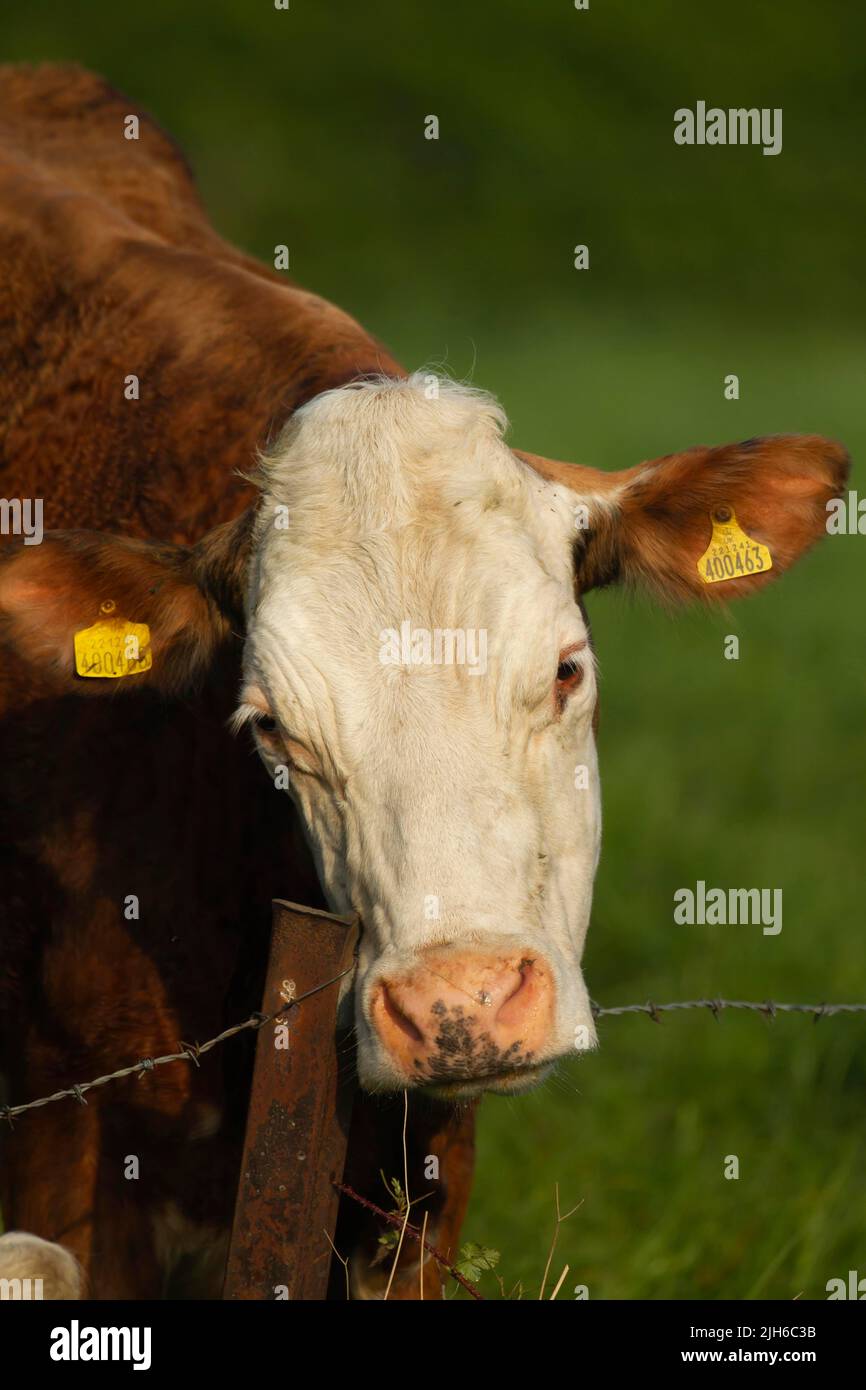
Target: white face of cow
pixel 418 672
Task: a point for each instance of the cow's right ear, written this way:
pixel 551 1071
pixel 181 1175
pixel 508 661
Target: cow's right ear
pixel 190 598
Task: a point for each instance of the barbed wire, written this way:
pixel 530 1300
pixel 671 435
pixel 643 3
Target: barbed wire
pixel 190 1052
pixel 717 1006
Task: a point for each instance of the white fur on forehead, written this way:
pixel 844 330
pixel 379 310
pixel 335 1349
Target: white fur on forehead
pixel 377 452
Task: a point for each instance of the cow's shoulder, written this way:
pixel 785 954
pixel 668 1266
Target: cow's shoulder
pixel 72 126
pixel 74 129
pixel 145 359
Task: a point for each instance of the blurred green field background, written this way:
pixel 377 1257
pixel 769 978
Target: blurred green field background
pixel 306 127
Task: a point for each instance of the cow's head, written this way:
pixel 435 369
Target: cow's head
pixel 418 674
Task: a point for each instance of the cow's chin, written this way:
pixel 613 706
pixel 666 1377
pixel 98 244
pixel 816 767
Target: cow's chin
pixel 507 1084
pixel 464 1088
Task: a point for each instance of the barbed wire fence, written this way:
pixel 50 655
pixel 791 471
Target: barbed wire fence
pixel 191 1052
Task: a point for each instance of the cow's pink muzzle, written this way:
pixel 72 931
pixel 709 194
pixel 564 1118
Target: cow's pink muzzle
pixel 462 1015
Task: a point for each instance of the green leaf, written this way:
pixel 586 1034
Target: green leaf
pixel 476 1260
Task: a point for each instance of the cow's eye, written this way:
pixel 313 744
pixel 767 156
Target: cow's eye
pixel 266 724
pixel 569 672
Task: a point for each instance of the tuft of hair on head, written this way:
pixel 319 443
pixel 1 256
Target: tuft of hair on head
pixel 392 427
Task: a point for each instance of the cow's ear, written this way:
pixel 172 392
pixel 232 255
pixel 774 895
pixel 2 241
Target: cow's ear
pixel 653 525
pixel 190 599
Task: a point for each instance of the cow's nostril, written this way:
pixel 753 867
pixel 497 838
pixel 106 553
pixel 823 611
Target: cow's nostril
pixel 398 1018
pixel 514 1004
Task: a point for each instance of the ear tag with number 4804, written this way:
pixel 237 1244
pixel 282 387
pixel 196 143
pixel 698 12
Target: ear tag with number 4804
pixel 731 554
pixel 113 647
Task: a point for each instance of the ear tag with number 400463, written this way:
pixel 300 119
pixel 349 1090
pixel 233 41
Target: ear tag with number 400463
pixel 113 646
pixel 731 554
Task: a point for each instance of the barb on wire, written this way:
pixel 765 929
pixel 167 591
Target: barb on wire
pixel 191 1052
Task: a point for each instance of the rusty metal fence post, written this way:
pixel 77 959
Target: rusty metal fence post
pixel 298 1120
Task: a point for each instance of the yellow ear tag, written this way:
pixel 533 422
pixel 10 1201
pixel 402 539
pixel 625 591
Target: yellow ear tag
pixel 113 647
pixel 731 554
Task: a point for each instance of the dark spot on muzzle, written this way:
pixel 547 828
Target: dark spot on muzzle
pixel 461 1052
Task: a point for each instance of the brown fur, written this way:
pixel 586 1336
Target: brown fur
pixel 110 268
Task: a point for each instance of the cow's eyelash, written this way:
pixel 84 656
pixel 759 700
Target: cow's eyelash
pixel 247 714
pixel 568 666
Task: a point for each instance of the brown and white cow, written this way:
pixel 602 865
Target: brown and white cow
pixel 393 608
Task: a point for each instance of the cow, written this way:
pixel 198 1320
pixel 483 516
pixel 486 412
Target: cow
pixel 348 569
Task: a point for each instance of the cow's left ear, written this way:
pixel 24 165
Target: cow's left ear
pixel 711 523
pixel 180 605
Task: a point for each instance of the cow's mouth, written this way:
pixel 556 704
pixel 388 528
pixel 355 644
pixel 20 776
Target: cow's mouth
pixel 505 1082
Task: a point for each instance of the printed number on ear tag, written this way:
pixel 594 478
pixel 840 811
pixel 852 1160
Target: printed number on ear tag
pixel 731 554
pixel 112 648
